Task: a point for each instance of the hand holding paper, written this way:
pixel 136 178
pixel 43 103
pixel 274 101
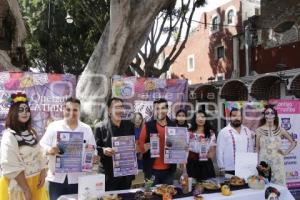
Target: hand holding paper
pixel 108 151
pixel 53 151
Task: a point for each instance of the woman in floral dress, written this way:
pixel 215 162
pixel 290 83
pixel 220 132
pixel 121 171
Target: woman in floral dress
pixel 201 131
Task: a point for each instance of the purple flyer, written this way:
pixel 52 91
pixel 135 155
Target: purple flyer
pixel 124 160
pixel 176 145
pixel 70 145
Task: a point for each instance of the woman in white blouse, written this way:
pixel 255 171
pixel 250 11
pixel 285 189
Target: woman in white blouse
pixel 22 161
pixel 202 148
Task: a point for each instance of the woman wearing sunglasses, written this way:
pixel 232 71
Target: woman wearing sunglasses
pixel 22 161
pixel 268 143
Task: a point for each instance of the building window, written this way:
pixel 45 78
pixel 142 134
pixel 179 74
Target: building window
pixel 215 23
pixel 230 16
pixel 191 63
pixel 220 52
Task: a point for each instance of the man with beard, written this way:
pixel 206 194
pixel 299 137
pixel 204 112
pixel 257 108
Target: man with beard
pixel 163 173
pixel 232 139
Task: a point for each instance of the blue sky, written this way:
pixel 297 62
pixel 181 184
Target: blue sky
pixel 210 5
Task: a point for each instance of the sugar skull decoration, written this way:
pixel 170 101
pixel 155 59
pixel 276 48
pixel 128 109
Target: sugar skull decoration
pixel 264 170
pixel 272 193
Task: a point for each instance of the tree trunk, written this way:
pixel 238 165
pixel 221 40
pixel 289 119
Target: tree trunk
pixel 129 26
pixel 20 31
pixel 5 62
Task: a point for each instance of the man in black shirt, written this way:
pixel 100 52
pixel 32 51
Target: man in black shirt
pixel 114 127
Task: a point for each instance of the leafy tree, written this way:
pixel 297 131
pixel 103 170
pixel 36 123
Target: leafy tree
pixel 56 46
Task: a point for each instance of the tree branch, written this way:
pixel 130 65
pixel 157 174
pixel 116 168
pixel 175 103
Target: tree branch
pixel 163 46
pixel 137 66
pixel 181 20
pixel 161 29
pixel 144 54
pixel 87 11
pixel 182 17
pixel 172 59
pixel 164 69
pixel 157 22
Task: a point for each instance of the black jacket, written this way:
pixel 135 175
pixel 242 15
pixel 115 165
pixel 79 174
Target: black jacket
pixel 103 134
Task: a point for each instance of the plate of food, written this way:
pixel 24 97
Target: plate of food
pixel 198 197
pixel 257 182
pixel 237 181
pixel 210 185
pixel 199 189
pixel 165 189
pixel 111 197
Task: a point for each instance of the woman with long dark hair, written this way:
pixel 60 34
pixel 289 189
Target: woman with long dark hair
pixel 268 143
pixel 201 135
pixel 22 161
pixel 181 118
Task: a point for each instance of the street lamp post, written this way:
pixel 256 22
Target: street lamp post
pixel 69 20
pixel 49 26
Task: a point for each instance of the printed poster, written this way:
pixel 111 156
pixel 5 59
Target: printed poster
pixel 176 145
pixel 124 159
pixel 70 145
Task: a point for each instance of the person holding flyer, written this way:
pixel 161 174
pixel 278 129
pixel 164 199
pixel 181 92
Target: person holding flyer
pixel 104 133
pixel 202 148
pixel 152 145
pixel 234 138
pixel 61 183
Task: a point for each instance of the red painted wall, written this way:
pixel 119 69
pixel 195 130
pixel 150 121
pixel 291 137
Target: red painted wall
pixel 202 43
pixel 265 60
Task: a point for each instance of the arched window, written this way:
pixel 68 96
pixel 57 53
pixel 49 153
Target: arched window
pixel 215 23
pixel 230 16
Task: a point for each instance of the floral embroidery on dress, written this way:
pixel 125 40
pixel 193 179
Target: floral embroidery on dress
pixel 270 143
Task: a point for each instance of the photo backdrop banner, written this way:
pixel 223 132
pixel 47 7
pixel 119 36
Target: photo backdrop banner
pixel 46 93
pixel 139 93
pixel 289 118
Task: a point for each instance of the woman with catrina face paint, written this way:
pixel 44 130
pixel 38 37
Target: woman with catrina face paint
pixel 22 161
pixel 268 143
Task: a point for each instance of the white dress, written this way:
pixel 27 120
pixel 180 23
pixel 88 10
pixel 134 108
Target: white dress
pixel 16 158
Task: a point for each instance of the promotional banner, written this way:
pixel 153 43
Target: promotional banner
pixel 289 118
pixel 46 92
pixel 252 112
pixel 139 93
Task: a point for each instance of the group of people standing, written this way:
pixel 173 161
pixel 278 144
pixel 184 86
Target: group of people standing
pixel 25 159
